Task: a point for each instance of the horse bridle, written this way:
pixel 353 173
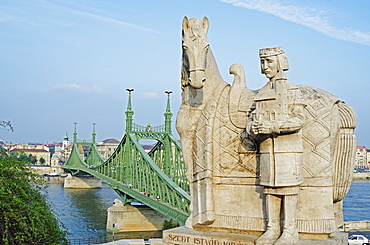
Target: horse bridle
pixel 205 63
pixel 197 69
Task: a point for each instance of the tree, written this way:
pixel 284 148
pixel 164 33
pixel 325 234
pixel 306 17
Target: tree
pixel 25 214
pixel 169 224
pixel 42 161
pixel 23 156
pixel 6 125
pixel 32 159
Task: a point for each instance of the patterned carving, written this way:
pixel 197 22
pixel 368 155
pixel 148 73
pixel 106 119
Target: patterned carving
pixel 317 132
pixel 316 226
pixel 240 222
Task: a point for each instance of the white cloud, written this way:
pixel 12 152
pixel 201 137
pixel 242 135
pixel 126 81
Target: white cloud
pixel 305 16
pixel 111 20
pixel 22 15
pixel 77 88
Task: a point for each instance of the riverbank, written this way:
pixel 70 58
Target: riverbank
pixel 361 175
pixel 48 169
pixel 54 179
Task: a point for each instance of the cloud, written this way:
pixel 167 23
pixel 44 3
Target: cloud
pixel 21 15
pixel 305 16
pixel 111 20
pixel 77 88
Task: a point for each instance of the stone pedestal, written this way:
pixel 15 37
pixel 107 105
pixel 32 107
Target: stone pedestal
pixel 133 218
pixel 182 235
pixel 81 183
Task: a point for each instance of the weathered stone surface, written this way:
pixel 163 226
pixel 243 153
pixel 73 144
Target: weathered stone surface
pixel 133 218
pixel 278 159
pixel 71 182
pixel 184 235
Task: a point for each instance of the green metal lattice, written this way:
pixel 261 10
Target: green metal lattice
pixel 156 179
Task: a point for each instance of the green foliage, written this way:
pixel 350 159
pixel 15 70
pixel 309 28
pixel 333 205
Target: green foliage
pixel 25 214
pixel 42 160
pixel 20 156
pixel 33 159
pixel 6 125
pixel 169 224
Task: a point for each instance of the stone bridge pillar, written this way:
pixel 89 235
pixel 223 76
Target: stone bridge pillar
pixel 71 182
pixel 133 218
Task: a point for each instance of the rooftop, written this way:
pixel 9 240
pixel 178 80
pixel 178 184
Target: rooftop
pixel 29 150
pixel 109 141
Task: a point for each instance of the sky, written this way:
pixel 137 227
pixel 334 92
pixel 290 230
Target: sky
pixel 67 61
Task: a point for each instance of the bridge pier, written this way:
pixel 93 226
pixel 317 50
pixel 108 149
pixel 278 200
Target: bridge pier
pixel 133 218
pixel 71 182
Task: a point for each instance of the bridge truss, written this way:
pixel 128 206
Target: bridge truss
pixel 156 178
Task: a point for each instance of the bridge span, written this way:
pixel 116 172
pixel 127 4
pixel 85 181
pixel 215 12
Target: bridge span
pixel 156 178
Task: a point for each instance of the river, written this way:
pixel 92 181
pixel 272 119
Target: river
pixel 356 204
pixel 84 211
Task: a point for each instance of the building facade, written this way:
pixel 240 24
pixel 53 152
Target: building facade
pixel 362 158
pixel 107 147
pixel 39 151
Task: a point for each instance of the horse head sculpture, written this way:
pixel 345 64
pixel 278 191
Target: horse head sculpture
pixel 194 35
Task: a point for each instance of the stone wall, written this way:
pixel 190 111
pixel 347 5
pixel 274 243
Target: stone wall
pixel 361 175
pixel 357 225
pixel 48 170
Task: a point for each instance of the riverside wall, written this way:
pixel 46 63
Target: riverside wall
pixel 362 175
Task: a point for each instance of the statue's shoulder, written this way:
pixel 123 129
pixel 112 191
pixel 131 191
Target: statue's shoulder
pixel 289 85
pixel 312 94
pixel 295 95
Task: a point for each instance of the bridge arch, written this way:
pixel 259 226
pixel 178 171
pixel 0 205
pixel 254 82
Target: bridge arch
pixel 156 178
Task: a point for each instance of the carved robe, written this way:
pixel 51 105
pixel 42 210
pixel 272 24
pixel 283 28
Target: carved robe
pixel 280 153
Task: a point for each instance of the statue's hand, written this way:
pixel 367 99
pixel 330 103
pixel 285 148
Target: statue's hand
pixel 264 127
pixel 252 128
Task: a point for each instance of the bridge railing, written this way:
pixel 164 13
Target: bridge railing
pixel 147 128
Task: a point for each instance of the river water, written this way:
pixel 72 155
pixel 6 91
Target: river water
pixel 356 204
pixel 84 211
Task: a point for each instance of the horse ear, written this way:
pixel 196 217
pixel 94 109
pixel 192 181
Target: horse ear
pixel 205 23
pixel 185 23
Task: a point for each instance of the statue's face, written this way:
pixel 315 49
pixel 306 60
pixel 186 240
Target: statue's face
pixel 269 66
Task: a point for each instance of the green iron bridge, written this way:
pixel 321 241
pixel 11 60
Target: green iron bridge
pixel 156 179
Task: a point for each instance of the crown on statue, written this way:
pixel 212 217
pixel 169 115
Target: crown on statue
pixel 265 52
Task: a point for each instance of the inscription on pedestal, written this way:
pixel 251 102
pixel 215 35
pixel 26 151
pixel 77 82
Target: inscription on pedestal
pixel 182 235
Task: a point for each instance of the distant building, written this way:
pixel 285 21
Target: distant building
pixel 53 146
pixel 37 150
pixel 62 151
pixel 362 158
pixel 147 148
pixel 107 147
pixel 54 161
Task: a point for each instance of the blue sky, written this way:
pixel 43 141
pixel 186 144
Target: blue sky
pixel 65 61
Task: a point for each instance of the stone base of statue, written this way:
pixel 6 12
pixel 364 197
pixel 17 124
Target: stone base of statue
pixel 182 235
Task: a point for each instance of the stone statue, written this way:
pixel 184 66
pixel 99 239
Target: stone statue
pixel 278 118
pixel 249 154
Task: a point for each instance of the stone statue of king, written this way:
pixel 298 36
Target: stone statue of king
pixel 277 120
